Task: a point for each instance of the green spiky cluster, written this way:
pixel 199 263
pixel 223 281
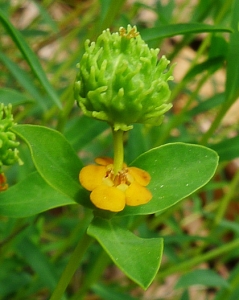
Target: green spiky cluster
pixel 121 81
pixel 8 143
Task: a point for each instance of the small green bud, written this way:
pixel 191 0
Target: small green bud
pixel 8 143
pixel 121 81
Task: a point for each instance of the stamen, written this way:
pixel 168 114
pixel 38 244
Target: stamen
pixel 121 178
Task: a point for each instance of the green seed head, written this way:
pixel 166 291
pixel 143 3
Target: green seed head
pixel 8 144
pixel 121 81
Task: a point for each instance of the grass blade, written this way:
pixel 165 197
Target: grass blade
pixel 179 29
pixel 30 57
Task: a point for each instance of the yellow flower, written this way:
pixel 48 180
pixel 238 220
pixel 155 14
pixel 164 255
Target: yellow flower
pixel 111 191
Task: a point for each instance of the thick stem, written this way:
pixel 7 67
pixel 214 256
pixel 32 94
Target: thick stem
pixel 118 150
pixel 71 267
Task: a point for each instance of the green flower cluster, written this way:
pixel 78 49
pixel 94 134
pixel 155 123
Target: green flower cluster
pixel 121 81
pixel 8 144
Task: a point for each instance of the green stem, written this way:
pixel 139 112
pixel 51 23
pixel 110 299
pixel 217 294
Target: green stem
pixel 71 267
pixel 118 150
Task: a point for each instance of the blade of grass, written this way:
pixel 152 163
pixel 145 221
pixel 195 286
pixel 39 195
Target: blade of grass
pixel 186 265
pixel 15 98
pixel 179 29
pixel 232 81
pixel 24 79
pixel 110 9
pixel 30 57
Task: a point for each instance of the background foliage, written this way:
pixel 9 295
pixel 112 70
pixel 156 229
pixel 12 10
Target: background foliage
pixel 41 42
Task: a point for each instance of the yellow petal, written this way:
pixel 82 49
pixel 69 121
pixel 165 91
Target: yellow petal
pixel 137 194
pixel 123 187
pixel 108 198
pixel 107 181
pixel 91 176
pixel 104 161
pixel 139 175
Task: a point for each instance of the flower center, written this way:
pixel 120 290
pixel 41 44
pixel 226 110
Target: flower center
pixel 121 180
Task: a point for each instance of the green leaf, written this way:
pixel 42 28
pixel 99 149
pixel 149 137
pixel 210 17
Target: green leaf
pixel 138 258
pixel 177 170
pixel 30 57
pixel 179 29
pixel 203 277
pixel 219 46
pixel 54 158
pixel 29 197
pixel 206 105
pixel 15 98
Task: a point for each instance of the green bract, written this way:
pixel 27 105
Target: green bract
pixel 121 81
pixel 8 144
